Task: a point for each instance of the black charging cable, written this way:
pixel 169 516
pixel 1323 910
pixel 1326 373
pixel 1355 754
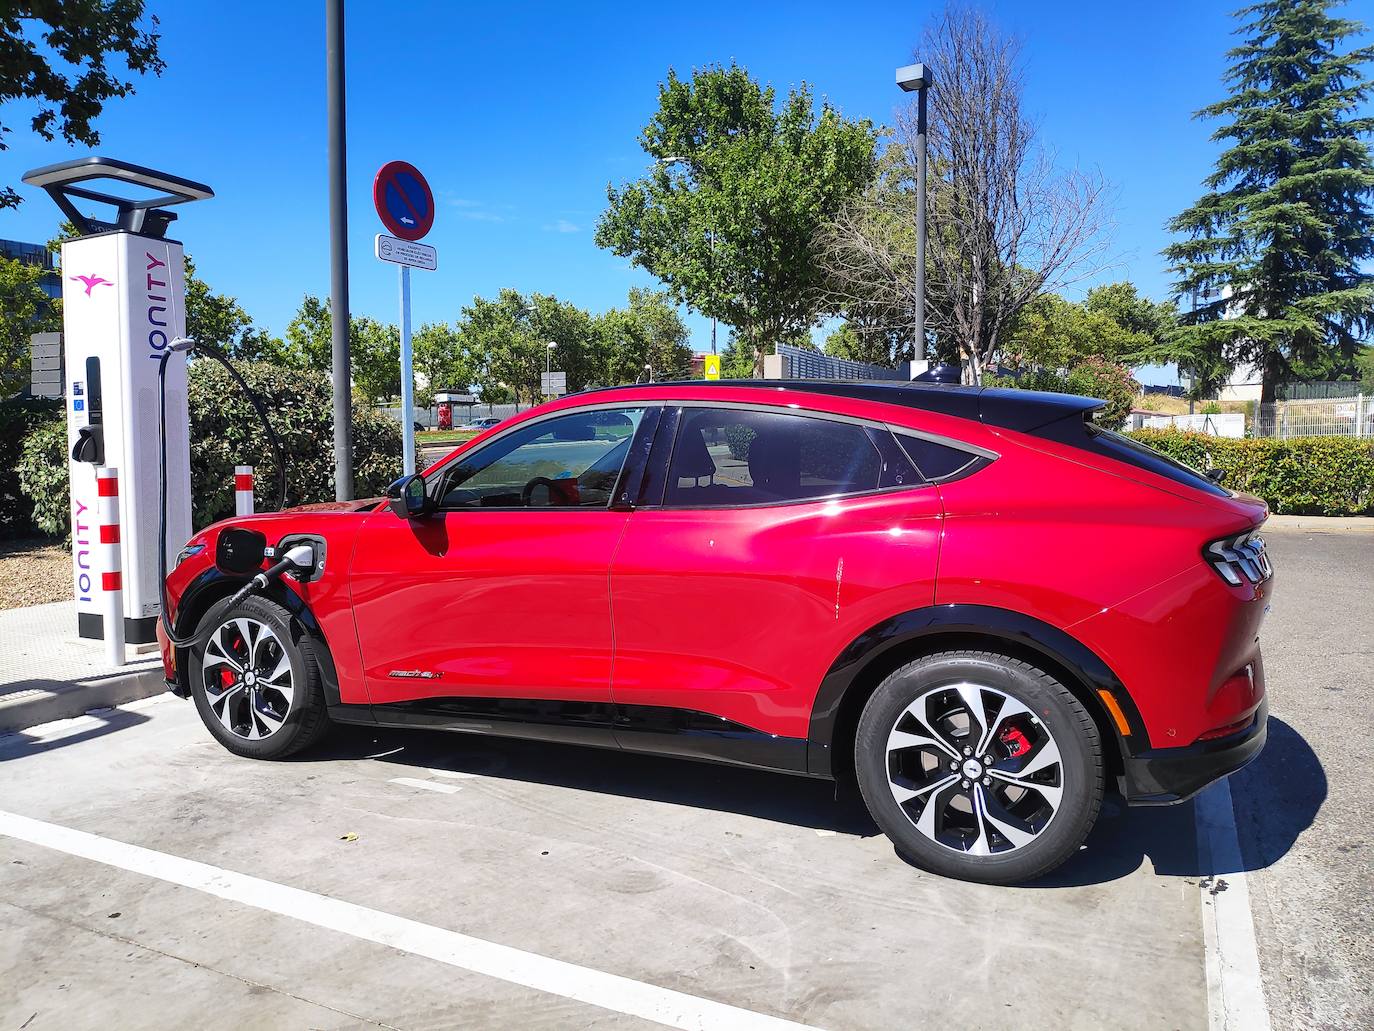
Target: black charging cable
pixel 182 345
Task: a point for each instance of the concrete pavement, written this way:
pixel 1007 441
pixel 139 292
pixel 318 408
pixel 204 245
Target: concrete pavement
pixel 733 887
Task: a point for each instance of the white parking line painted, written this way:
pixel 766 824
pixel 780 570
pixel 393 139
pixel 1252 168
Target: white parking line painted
pixel 515 966
pixel 428 785
pixel 450 774
pixel 1235 989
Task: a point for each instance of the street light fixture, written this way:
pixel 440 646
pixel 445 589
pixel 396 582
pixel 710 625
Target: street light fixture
pixel 917 78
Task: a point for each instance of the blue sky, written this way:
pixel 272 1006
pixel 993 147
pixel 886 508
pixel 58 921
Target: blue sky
pixel 520 114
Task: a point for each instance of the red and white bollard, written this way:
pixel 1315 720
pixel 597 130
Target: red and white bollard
pixel 111 575
pixel 243 490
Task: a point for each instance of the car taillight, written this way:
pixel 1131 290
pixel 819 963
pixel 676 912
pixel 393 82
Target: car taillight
pixel 1240 559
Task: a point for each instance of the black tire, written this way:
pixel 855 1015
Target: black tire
pixel 306 719
pixel 948 843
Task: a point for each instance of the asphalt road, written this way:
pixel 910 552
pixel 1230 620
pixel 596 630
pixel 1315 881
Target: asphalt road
pixel 757 891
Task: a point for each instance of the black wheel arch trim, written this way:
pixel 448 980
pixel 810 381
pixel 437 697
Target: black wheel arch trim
pixel 212 585
pixel 933 621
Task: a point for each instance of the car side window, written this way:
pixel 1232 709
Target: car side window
pixel 570 461
pixel 725 457
pixel 935 461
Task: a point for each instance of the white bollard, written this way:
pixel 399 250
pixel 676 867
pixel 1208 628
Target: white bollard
pixel 111 575
pixel 243 490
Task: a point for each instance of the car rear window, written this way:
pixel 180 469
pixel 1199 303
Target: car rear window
pixel 1086 434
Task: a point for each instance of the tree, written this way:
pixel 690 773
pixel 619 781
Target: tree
pixel 219 319
pixel 24 310
pixel 875 345
pixel 1005 224
pixel 1113 323
pixel 441 361
pixel 83 35
pixel 1274 261
pixel 374 348
pixel 648 332
pixel 508 340
pixel 728 215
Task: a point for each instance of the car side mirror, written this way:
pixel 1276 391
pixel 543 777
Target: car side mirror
pixel 240 551
pixel 410 501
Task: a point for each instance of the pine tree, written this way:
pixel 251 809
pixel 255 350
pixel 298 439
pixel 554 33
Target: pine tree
pixel 1276 250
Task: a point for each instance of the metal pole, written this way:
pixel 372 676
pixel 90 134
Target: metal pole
pixel 407 378
pixel 713 273
pixel 920 348
pixel 338 251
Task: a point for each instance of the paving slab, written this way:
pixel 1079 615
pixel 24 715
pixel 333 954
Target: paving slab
pixel 49 673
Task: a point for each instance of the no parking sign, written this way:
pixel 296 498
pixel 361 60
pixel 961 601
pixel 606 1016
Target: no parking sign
pixel 403 200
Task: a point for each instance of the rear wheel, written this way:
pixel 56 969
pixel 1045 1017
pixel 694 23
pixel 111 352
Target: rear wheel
pixel 255 684
pixel 979 766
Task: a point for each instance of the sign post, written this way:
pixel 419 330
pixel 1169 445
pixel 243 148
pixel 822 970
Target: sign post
pixel 406 207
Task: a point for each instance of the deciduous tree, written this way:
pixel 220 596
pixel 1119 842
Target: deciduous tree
pixel 728 214
pixel 66 58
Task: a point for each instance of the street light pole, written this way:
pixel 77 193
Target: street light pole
pixel 338 251
pixel 917 77
pixel 548 367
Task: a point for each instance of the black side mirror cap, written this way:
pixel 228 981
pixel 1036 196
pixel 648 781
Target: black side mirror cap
pixel 240 551
pixel 411 500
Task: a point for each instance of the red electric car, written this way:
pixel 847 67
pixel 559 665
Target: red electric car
pixel 975 602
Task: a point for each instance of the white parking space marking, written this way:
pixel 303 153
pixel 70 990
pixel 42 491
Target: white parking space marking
pixel 515 966
pixel 450 774
pixel 427 785
pixel 1235 991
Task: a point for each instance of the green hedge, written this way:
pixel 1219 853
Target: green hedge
pixel 225 432
pixel 1300 475
pixel 18 418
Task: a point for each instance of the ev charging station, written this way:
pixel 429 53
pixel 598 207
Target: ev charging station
pixel 123 303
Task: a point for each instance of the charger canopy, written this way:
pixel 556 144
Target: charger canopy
pixel 138 199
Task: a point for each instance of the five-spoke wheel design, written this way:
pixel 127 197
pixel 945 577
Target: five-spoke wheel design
pixel 247 677
pixel 974 770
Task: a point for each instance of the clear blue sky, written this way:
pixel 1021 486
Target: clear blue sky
pixel 520 114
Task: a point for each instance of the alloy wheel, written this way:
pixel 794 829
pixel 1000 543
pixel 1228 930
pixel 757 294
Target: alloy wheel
pixel 974 769
pixel 247 677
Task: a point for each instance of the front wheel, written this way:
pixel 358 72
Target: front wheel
pixel 979 766
pixel 256 685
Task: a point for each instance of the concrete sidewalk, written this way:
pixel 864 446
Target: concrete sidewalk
pixel 48 673
pixel 1321 524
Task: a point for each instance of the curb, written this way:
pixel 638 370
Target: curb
pixel 1320 524
pixel 29 708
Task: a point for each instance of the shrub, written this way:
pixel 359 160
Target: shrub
pixel 1299 475
pixel 18 417
pixel 1092 377
pixel 42 475
pixel 225 432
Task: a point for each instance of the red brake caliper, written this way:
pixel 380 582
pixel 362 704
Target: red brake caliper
pixel 1015 741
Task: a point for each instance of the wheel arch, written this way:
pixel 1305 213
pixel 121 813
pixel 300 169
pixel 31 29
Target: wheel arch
pixel 213 586
pixel 869 658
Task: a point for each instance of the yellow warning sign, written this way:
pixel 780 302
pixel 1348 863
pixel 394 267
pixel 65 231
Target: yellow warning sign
pixel 711 366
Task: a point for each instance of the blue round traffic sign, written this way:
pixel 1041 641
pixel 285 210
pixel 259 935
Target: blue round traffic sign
pixel 403 199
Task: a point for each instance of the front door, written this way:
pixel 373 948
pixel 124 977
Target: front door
pixel 502 593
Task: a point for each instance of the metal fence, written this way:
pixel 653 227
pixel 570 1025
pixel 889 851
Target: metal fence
pixel 1324 390
pixel 1317 417
pixel 799 363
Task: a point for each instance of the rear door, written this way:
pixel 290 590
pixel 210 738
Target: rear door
pixel 764 542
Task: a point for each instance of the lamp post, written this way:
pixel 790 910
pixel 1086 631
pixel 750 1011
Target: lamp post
pixel 710 241
pixel 917 78
pixel 548 366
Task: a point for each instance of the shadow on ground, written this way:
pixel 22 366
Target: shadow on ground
pixel 1122 840
pixel 20 743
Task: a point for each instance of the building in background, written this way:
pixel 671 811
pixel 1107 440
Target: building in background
pixel 35 254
